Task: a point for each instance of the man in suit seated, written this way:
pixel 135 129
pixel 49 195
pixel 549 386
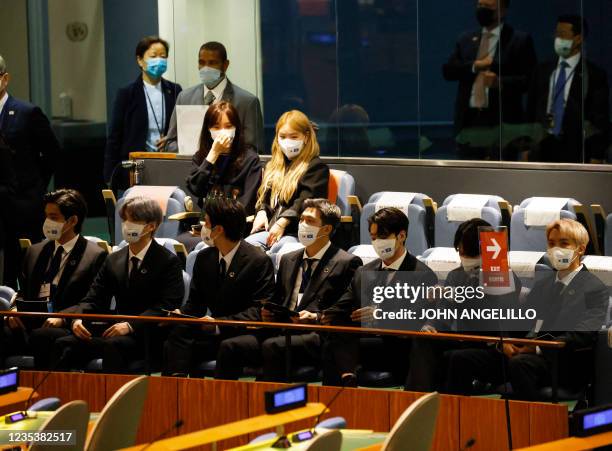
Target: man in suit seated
pixel 215 87
pixel 144 278
pixel 309 281
pixel 571 306
pixel 492 66
pixel 56 275
pixel 427 364
pixel 229 277
pixel 569 97
pixel 389 231
pixel 26 131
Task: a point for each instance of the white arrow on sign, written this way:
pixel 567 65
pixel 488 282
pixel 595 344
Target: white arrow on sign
pixel 496 249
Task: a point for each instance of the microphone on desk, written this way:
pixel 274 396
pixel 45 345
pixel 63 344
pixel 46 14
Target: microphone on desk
pixel 328 405
pixel 62 358
pixel 137 166
pixel 177 425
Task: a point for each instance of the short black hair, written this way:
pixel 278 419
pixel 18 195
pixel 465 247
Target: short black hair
pixel 226 212
pixel 467 236
pixel 389 220
pixel 330 213
pixel 70 203
pixel 142 209
pixel 145 43
pixel 214 46
pixel 578 23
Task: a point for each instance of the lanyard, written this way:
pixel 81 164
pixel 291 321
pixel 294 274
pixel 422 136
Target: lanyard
pixel 159 129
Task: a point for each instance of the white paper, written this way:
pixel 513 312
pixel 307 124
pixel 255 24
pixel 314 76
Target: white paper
pixel 394 199
pixel 523 263
pixel 464 207
pixel 189 120
pixel 541 211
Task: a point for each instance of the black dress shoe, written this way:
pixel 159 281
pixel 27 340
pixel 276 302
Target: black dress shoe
pixel 349 380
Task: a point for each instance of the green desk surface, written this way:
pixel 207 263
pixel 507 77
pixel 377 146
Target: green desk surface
pixel 351 440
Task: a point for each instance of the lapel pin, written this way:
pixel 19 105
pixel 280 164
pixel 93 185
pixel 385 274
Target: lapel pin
pixel 571 292
pixel 143 271
pixel 232 274
pixel 475 38
pixel 326 270
pixel 73 262
pixel 12 113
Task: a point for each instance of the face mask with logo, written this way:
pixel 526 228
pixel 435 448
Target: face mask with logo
pixel 470 263
pixel 229 132
pixel 563 47
pixel 210 76
pixel 308 234
pixel 156 67
pixel 291 147
pixel 561 258
pixel 384 248
pixel 53 229
pixel 485 16
pixel 205 234
pixel 131 231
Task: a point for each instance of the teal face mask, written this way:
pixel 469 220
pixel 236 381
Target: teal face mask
pixel 156 67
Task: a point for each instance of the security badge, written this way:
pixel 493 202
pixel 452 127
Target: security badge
pixel 45 291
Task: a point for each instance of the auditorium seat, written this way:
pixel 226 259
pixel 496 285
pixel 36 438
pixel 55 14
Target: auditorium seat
pixel 340 188
pixel 416 425
pixel 365 252
pixel 169 243
pixel 608 236
pixel 528 225
pixel 45 405
pixel 413 204
pixel 458 208
pixel 74 417
pixel 168 228
pixel 191 257
pixel 441 260
pixel 526 264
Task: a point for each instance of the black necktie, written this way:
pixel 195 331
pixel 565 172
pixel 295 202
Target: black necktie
pixel 306 273
pixel 54 267
pixel 558 287
pixel 222 269
pixel 134 271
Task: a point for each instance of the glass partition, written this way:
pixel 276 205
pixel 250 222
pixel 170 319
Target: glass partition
pixel 457 79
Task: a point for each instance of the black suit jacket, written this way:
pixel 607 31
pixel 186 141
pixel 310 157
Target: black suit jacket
pixel 129 124
pixel 513 63
pixel 313 184
pixel 80 270
pixel 328 282
pixel 158 285
pixel 249 278
pixel 588 100
pixel 352 299
pixel 577 315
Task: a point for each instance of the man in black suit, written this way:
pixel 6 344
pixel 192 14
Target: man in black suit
pixel 57 273
pixel 142 110
pixel 143 277
pixel 570 99
pixel 389 231
pixel 309 281
pixel 492 66
pixel 215 87
pixel 229 277
pixel 571 306
pixel 26 130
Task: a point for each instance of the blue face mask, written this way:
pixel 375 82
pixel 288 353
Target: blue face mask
pixel 156 67
pixel 210 76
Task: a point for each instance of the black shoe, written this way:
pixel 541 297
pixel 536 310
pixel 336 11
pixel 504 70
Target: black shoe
pixel 349 380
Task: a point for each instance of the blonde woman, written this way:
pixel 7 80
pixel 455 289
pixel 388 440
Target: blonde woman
pixel 295 173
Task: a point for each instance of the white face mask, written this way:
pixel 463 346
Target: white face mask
pixel 308 234
pixel 205 234
pixel 563 47
pixel 210 76
pixel 229 132
pixel 131 231
pixel 53 229
pixel 384 248
pixel 561 258
pixel 470 263
pixel 291 147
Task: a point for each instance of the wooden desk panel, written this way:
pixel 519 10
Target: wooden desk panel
pixel 363 409
pixel 484 420
pixel 88 387
pixel 15 400
pixel 205 403
pixel 446 436
pixel 547 422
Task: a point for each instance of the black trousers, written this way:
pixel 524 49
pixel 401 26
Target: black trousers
pixel 186 346
pixel 305 350
pixel 526 372
pixel 427 369
pixel 39 342
pixel 116 352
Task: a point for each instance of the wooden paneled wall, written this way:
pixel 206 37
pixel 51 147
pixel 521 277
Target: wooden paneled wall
pixel 203 403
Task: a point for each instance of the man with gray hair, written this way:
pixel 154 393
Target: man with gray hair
pixel 26 131
pixel 144 278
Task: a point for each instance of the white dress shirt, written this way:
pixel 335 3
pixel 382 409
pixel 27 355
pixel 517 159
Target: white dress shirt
pixel 495 33
pixel 67 250
pixel 140 256
pixel 155 110
pixel 3 101
pixel 395 266
pixel 217 90
pixel 229 256
pixel 296 296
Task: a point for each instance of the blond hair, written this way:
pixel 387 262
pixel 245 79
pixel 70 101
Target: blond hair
pixel 282 178
pixel 571 229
